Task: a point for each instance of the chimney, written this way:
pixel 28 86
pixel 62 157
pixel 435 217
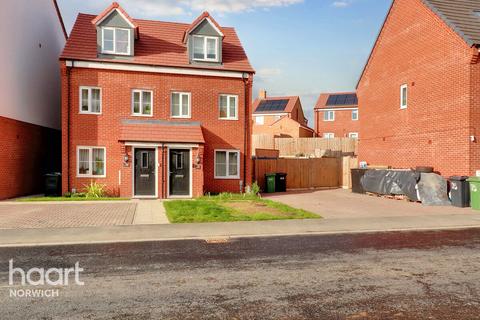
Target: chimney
pixel 262 94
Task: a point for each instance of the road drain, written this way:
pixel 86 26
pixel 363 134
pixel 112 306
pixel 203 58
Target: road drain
pixel 217 240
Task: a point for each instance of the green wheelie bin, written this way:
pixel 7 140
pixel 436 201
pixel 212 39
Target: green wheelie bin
pixel 474 192
pixel 270 182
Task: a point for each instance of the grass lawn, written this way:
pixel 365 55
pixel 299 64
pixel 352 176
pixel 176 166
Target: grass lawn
pixel 225 208
pixel 40 199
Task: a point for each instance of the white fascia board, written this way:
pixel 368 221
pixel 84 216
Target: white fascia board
pixel 154 69
pixel 336 109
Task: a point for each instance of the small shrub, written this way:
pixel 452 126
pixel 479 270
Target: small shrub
pixel 67 194
pixel 255 189
pixel 95 190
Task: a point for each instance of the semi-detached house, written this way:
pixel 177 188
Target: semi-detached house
pixel 155 109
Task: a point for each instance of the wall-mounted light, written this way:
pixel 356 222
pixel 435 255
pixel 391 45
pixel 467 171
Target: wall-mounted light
pixel 198 160
pixel 125 159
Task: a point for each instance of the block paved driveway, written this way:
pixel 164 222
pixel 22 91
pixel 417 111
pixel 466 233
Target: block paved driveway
pixel 343 204
pixel 65 214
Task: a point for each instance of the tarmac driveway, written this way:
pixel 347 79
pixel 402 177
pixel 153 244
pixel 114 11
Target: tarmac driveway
pixel 343 204
pixel 65 214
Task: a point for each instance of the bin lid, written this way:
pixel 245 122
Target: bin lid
pixel 281 174
pixel 458 178
pixel 270 174
pixel 473 179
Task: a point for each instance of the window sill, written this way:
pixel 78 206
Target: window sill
pixel 181 117
pixel 227 178
pixel 228 119
pixel 90 176
pixel 93 113
pixel 141 115
pixel 206 60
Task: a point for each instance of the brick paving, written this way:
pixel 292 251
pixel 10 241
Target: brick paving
pixel 65 215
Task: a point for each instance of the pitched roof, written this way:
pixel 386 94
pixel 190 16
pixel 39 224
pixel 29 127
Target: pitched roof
pixel 159 44
pixel 463 16
pixel 287 119
pixel 203 16
pixel 160 131
pixel 337 100
pixel 283 104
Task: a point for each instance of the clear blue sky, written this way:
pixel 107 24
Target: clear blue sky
pixel 298 47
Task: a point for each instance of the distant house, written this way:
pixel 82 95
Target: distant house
pixel 32 37
pixel 420 90
pixel 280 117
pixel 336 115
pixel 155 109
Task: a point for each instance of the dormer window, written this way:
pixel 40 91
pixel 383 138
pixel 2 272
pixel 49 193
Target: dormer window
pixel 116 41
pixel 205 48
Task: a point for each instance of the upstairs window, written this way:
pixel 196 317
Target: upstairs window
pixel 228 107
pixel 181 105
pixel 90 100
pixel 260 120
pixel 403 96
pixel 328 135
pixel 205 48
pixel 116 41
pixel 353 135
pixel 354 115
pixel 142 103
pixel 329 116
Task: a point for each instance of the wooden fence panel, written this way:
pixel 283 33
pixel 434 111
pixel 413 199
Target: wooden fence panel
pixel 301 173
pixel 289 147
pixel 348 163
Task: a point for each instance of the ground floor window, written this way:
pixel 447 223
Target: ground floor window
pixel 227 164
pixel 91 161
pixel 328 135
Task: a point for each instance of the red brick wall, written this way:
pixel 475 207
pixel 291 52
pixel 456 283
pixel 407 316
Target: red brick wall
pixel 28 152
pixel 104 129
pixel 418 49
pixel 341 127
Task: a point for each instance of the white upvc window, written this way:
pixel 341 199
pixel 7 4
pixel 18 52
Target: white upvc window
pixel 116 41
pixel 91 162
pixel 354 115
pixel 142 103
pixel 329 116
pixel 227 164
pixel 90 100
pixel 205 48
pixel 353 135
pixel 228 107
pixel 180 105
pixel 328 135
pixel 260 120
pixel 403 96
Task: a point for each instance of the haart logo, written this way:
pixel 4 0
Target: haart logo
pixel 42 277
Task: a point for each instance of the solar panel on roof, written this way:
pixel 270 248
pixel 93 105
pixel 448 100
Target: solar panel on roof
pixel 342 99
pixel 272 105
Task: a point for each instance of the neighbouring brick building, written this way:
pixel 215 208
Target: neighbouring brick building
pixel 280 117
pixel 420 91
pixel 32 37
pixel 155 109
pixel 336 115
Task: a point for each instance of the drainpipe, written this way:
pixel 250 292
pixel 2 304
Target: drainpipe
pixel 163 173
pixel 68 126
pixel 246 82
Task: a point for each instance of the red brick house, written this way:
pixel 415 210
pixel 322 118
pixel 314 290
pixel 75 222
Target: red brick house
pixel 336 115
pixel 155 109
pixel 280 117
pixel 420 90
pixel 30 91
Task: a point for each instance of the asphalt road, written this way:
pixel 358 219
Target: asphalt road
pixel 424 275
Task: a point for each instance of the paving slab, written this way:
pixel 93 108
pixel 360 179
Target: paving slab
pixel 150 212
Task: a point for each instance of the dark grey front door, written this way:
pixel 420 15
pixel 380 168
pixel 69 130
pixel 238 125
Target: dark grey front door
pixel 179 164
pixel 144 168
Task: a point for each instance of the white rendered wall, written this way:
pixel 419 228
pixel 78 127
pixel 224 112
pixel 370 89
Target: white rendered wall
pixel 29 73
